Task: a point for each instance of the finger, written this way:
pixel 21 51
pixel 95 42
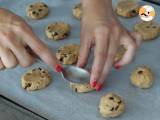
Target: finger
pixel 41 50
pixel 85 47
pixel 137 38
pixel 112 49
pixel 19 50
pixel 100 54
pixel 8 59
pixel 1 65
pixel 130 46
pixel 104 75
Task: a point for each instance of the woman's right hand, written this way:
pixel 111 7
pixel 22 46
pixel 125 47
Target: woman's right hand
pixel 15 36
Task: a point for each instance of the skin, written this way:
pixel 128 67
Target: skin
pixel 15 35
pixel 100 30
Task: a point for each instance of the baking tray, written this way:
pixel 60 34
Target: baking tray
pixel 57 101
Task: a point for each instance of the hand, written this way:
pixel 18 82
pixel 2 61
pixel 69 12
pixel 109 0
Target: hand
pixel 15 36
pixel 100 29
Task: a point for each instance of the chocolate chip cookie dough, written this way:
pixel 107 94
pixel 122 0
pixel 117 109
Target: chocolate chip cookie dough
pixel 37 10
pixel 111 105
pixel 77 11
pixel 81 88
pixel 68 54
pixel 148 30
pixel 119 55
pixel 142 77
pixel 35 79
pixel 58 30
pixel 127 8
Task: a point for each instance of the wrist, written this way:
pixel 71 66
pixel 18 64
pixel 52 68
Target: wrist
pixel 93 2
pixel 94 7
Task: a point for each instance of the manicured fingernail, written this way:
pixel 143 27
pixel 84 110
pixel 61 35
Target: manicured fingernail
pixel 93 84
pixel 117 66
pixel 58 68
pixel 98 87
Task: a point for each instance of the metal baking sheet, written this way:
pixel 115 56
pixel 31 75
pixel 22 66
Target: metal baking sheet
pixel 57 101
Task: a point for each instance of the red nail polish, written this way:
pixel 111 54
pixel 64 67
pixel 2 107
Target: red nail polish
pixel 117 66
pixel 93 84
pixel 98 87
pixel 58 68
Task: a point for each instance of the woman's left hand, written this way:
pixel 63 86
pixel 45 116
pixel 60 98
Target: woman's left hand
pixel 101 29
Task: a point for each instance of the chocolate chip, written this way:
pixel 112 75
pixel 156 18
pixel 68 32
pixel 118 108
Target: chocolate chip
pixel 34 12
pixel 61 59
pixel 111 98
pixel 40 10
pixel 112 109
pixel 45 5
pixel 28 74
pixel 37 14
pixel 55 33
pixel 65 34
pixel 116 107
pixel 40 68
pixel 52 35
pixel 31 6
pixel 134 11
pixel 147 26
pixel 27 85
pixel 75 7
pixel 76 90
pixel 140 72
pixel 42 76
pixel 59 51
pixel 120 102
pixel 65 55
pixel 154 27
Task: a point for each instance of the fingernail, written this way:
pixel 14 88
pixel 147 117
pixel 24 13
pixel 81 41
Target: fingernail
pixel 58 68
pixel 98 87
pixel 93 84
pixel 117 66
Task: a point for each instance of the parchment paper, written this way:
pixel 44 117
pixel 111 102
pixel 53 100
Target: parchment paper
pixel 57 101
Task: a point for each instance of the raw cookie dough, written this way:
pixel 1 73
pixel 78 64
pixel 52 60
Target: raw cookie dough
pixel 68 54
pixel 127 8
pixel 142 77
pixel 58 30
pixel 111 105
pixel 121 51
pixel 148 30
pixel 77 11
pixel 35 79
pixel 37 10
pixel 81 88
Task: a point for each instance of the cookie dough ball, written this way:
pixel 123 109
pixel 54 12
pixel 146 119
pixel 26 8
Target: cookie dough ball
pixel 68 54
pixel 111 105
pixel 81 88
pixel 58 30
pixel 119 55
pixel 35 79
pixel 127 8
pixel 142 77
pixel 148 30
pixel 77 11
pixel 37 10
